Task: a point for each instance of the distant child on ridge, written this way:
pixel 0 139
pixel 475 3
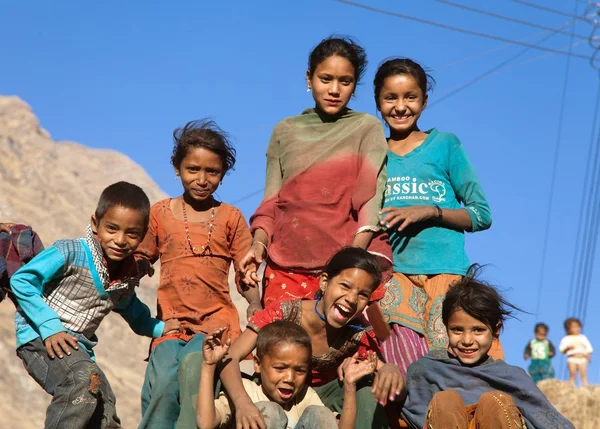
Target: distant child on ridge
pixel 64 293
pixel 540 350
pixel 196 238
pixel 578 350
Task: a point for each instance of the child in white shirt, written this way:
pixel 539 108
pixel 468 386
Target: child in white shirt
pixel 578 350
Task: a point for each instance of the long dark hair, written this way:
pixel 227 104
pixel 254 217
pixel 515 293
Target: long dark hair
pixel 479 300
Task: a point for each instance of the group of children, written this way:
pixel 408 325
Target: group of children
pixel 369 308
pixel 574 345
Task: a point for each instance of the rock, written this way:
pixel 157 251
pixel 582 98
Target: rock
pixel 581 405
pixel 54 186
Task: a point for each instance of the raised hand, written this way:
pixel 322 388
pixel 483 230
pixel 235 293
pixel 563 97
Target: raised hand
pixel 355 369
pixel 60 344
pixel 215 346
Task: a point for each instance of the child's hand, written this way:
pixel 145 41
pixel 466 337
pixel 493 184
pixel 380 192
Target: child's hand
pixel 355 369
pixel 215 346
pixel 60 343
pixel 253 308
pixel 388 383
pixel 5 227
pixel 250 263
pixel 406 216
pixel 172 326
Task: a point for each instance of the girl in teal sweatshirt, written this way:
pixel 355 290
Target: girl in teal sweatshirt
pixel 432 197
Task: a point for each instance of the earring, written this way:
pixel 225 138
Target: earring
pixel 177 177
pixel 308 89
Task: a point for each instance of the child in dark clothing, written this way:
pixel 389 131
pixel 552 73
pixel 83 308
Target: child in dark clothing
pixel 540 350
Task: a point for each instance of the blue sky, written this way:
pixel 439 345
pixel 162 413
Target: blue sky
pixel 123 75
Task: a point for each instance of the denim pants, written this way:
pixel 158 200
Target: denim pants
pixel 314 416
pixel 81 394
pixel 171 384
pixel 369 414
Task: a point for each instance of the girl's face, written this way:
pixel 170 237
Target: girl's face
pixel 470 339
pixel 332 84
pixel 401 102
pixel 574 328
pixel 345 296
pixel 201 171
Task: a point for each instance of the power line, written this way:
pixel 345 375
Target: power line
pixel 578 302
pixel 545 8
pixel 487 73
pixel 589 249
pixel 461 30
pixel 512 19
pixel 248 195
pixel 577 260
pixel 553 180
pixel 498 48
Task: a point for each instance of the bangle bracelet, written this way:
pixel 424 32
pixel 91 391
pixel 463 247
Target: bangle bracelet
pixel 439 212
pixel 262 244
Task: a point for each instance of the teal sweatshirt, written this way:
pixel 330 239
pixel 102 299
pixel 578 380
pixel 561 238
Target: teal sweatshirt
pixel 436 172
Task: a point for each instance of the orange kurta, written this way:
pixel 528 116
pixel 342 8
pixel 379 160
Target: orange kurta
pixel 195 289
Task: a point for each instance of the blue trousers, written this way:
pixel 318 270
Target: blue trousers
pixel 171 385
pixel 81 394
pixel 314 416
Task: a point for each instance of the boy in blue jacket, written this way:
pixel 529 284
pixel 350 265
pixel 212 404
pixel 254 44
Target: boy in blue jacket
pixel 64 293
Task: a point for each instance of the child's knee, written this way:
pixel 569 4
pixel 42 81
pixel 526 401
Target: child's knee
pixel 447 399
pixel 274 415
pixel 189 369
pixel 495 399
pixel 87 377
pixel 191 363
pixel 320 416
pixel 446 410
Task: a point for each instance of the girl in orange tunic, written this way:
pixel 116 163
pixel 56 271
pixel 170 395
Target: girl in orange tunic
pixel 196 239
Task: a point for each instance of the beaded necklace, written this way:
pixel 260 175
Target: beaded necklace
pixel 206 246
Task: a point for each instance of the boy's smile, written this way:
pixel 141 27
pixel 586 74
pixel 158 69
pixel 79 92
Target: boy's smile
pixel 120 231
pixel 283 372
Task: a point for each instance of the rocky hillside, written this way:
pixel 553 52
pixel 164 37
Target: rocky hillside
pixel 580 405
pixel 54 186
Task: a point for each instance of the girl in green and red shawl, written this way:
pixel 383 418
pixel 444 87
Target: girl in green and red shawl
pixel 325 181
